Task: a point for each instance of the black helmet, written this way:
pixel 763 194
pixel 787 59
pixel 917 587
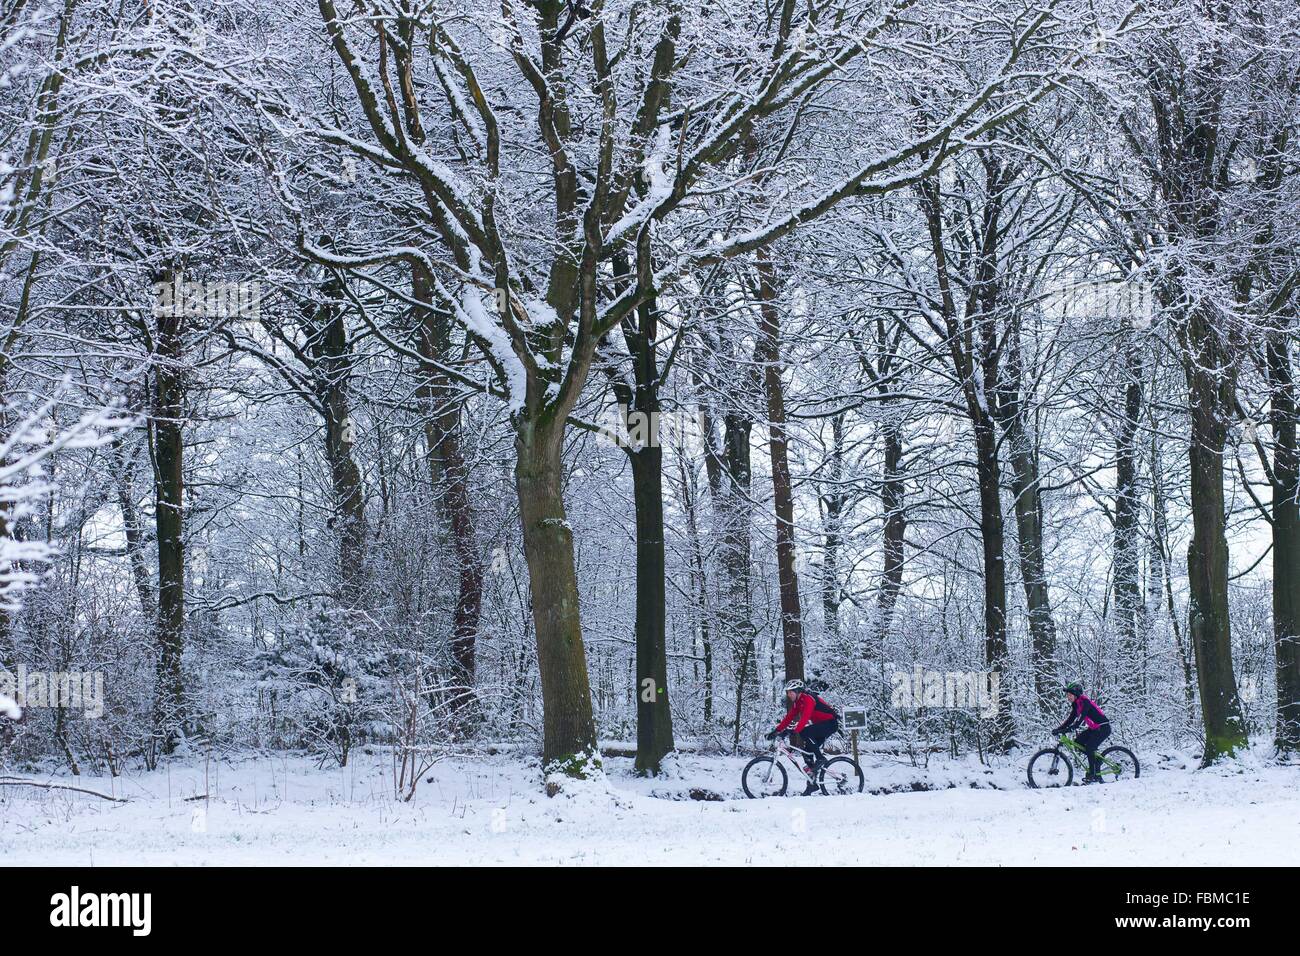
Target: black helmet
pixel 1075 688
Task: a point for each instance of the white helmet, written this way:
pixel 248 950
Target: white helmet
pixel 795 684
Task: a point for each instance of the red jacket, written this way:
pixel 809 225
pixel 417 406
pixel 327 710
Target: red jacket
pixel 807 712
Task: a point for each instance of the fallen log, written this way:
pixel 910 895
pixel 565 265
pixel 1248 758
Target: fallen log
pixel 14 782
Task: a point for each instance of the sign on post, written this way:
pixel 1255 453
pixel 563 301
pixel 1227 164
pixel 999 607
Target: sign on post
pixel 855 719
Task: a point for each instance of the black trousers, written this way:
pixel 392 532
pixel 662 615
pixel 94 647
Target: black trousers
pixel 1090 740
pixel 814 735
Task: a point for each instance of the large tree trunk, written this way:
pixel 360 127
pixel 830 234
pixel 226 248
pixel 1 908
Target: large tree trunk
pixel 992 533
pixel 737 565
pixel 8 648
pixel 449 476
pixel 1022 456
pixel 699 583
pixel 730 476
pixel 448 459
pixel 1127 543
pixel 654 719
pixel 1209 401
pixel 1160 544
pixel 569 732
pixel 1029 544
pixel 891 539
pixel 1186 100
pixel 769 360
pixel 169 487
pixel 639 401
pixel 333 359
pixel 1286 543
pixel 974 359
pixel 832 531
pixel 728 467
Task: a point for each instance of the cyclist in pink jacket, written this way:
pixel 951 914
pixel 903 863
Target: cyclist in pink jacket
pixel 1084 711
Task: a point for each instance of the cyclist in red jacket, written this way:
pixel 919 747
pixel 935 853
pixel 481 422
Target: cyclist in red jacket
pixel 812 718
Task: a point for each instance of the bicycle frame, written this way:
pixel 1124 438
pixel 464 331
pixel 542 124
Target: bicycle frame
pixel 1079 757
pixel 788 752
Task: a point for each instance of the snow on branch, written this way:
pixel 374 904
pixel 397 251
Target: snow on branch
pixel 23 486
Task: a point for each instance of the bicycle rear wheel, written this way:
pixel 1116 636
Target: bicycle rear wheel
pixel 1118 763
pixel 841 775
pixel 764 777
pixel 1049 769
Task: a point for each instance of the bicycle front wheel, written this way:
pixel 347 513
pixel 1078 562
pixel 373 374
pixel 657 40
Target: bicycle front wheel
pixel 1049 769
pixel 764 777
pixel 841 775
pixel 1118 763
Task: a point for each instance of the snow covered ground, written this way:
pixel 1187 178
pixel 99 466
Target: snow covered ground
pixel 490 810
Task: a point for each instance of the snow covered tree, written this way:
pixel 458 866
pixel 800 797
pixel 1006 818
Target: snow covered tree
pixel 1208 112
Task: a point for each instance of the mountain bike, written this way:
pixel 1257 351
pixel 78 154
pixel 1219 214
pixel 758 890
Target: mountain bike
pixel 765 775
pixel 1054 766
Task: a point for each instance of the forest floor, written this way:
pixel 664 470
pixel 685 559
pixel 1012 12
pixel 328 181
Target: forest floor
pixel 492 810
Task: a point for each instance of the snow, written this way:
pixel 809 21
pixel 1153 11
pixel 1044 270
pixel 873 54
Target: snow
pixel 491 810
pixel 980 395
pixel 9 708
pixel 659 189
pixel 450 83
pixel 450 181
pixel 474 317
pixel 541 314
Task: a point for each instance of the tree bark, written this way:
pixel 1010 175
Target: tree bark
pixel 730 475
pixel 332 357
pixel 640 405
pixel 169 489
pixel 736 560
pixel 769 359
pixel 569 737
pixel 449 476
pixel 892 502
pixel 1209 401
pixel 1127 545
pixel 972 344
pixel 1187 100
pixel 880 369
pixel 654 719
pixel 1160 530
pixel 1022 456
pixel 728 467
pixel 833 502
pixel 700 583
pixel 1286 543
pixel 993 536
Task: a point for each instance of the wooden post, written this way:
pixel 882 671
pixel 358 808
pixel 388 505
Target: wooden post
pixel 853 738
